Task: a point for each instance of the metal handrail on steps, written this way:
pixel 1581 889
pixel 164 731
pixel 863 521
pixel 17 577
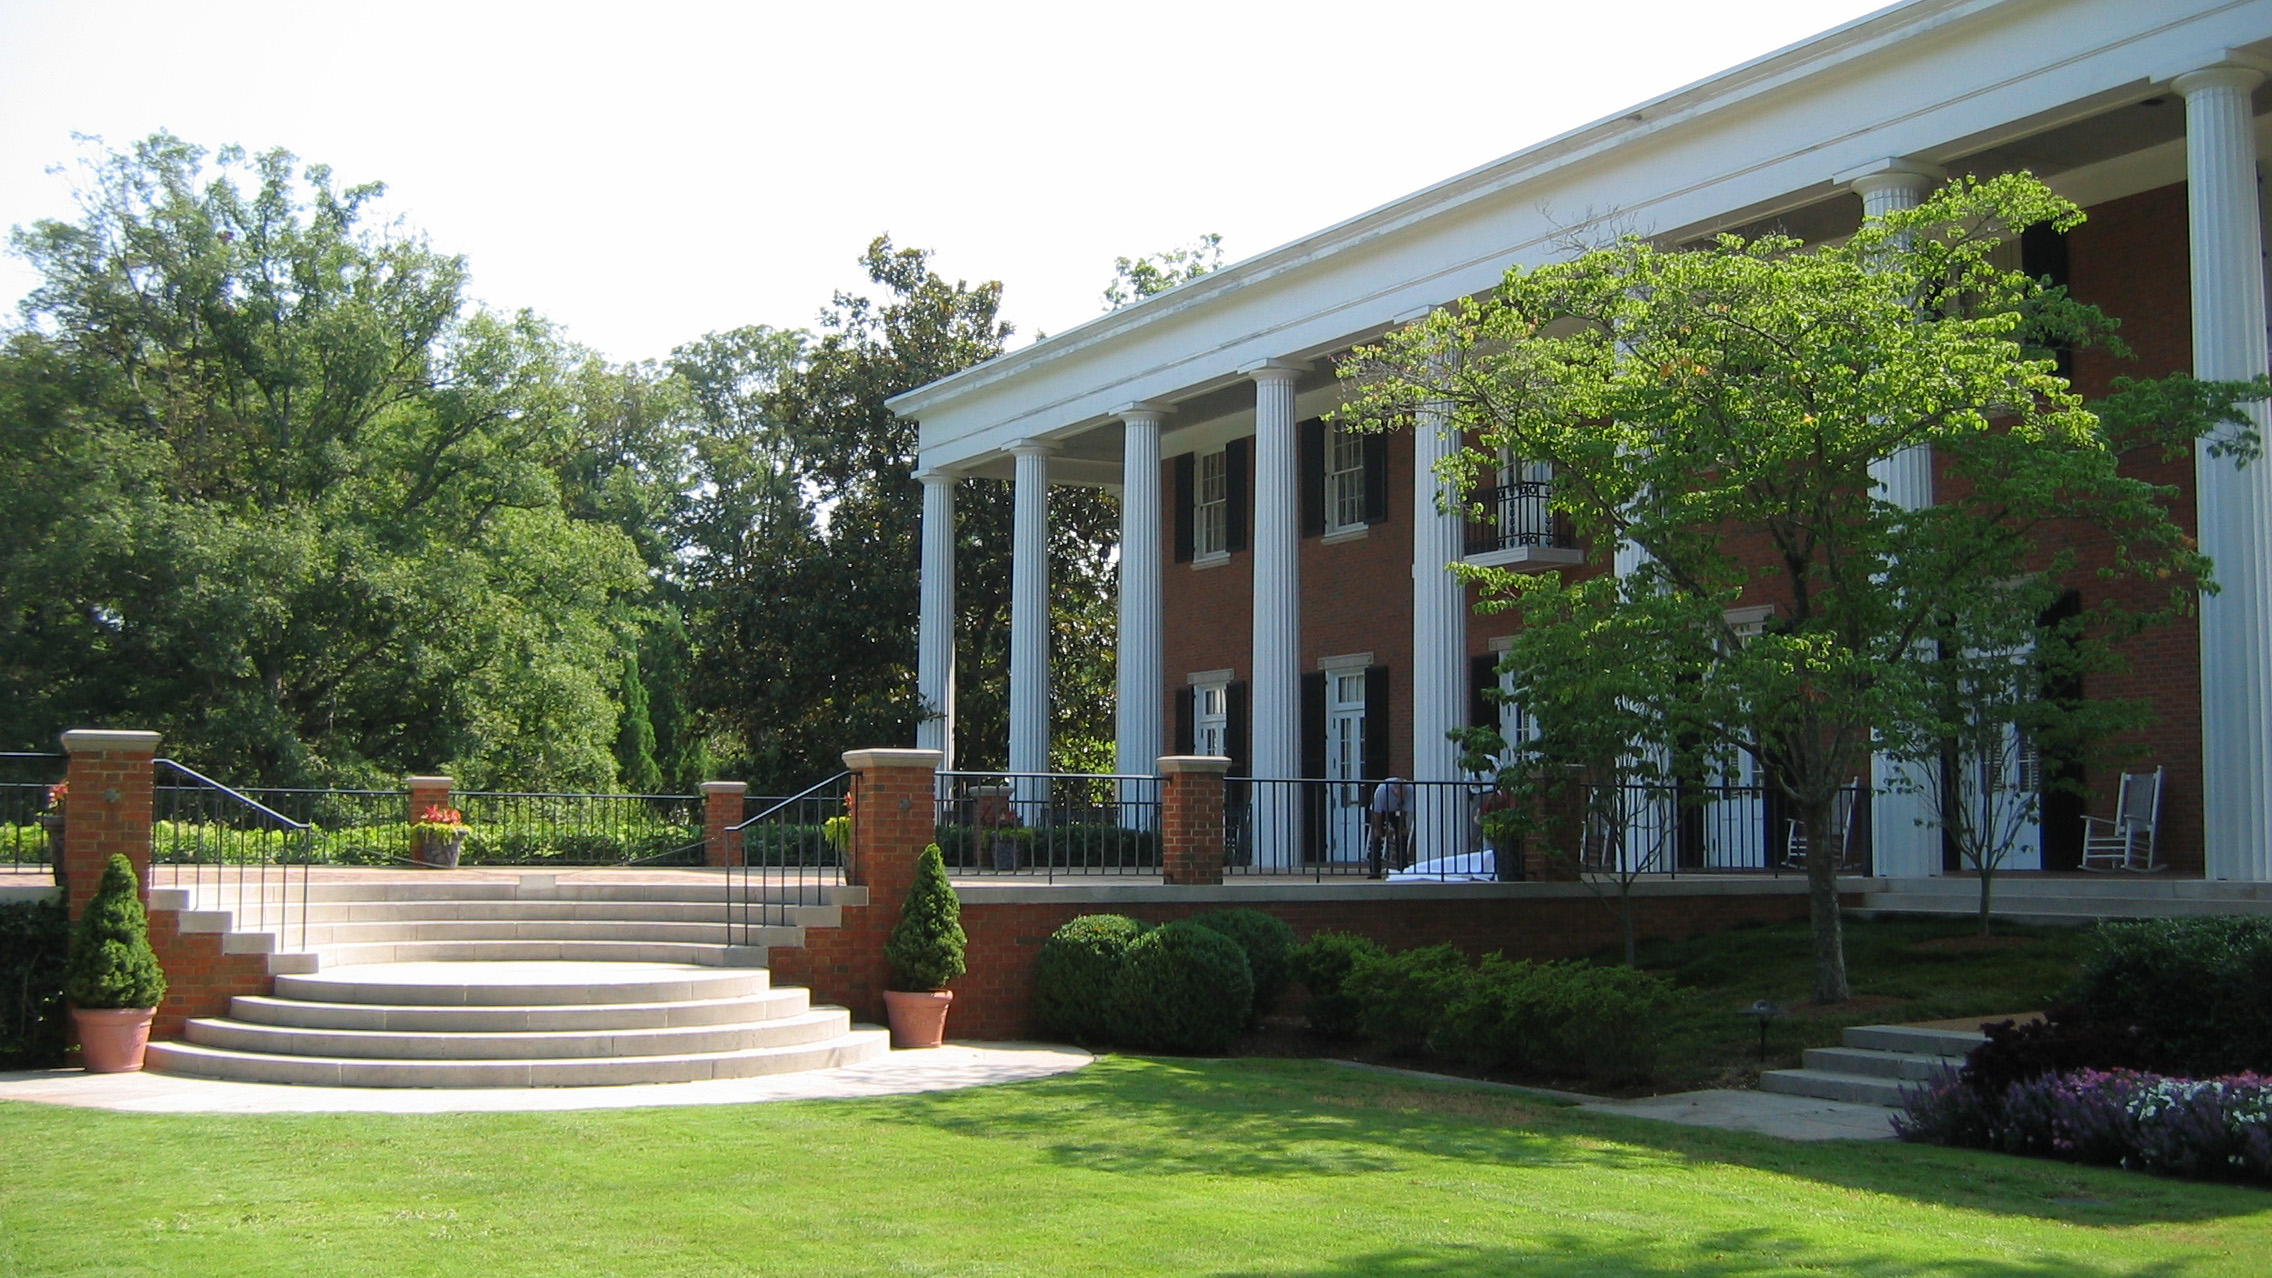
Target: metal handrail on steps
pixel 234 852
pixel 787 860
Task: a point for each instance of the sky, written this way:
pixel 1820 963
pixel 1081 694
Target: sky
pixel 646 173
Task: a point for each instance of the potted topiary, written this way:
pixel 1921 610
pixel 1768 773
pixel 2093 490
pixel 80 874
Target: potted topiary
pixel 925 951
pixel 112 978
pixel 437 837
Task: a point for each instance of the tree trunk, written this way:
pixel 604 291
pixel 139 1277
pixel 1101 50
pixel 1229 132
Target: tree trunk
pixel 1823 852
pixel 1631 957
pixel 1987 879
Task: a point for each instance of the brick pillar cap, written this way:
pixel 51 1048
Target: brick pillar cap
pixel 427 783
pixel 1170 764
pixel 863 760
pixel 108 740
pixel 724 787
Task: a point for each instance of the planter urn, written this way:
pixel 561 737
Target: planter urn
pixel 918 1017
pixel 52 822
pixel 112 1040
pixel 439 851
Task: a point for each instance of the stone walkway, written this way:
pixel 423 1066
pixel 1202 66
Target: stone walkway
pixel 1788 1117
pixel 950 1068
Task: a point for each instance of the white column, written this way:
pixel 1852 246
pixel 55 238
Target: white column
pixel 935 640
pixel 2234 505
pixel 1275 682
pixel 1141 688
pixel 1439 637
pixel 1905 841
pixel 1029 618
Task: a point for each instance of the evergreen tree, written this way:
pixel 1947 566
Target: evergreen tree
pixel 926 944
pixel 635 737
pixel 112 964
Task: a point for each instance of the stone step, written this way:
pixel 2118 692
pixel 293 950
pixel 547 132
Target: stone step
pixel 1916 1039
pixel 811 1026
pixel 375 931
pixel 414 885
pixel 522 984
pixel 439 910
pixel 1825 1085
pixel 1909 1067
pixel 531 950
pixel 763 1005
pixel 851 1048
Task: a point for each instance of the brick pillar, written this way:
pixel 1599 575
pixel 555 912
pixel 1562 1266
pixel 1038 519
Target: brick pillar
pixel 894 817
pixel 1191 819
pixel 722 804
pixel 107 809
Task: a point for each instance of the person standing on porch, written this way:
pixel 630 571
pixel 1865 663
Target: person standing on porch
pixel 1391 808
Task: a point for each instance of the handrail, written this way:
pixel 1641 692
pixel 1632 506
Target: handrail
pixel 30 754
pixel 1052 776
pixel 240 796
pixel 806 793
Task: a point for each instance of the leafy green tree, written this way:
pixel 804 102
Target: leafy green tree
pixel 281 497
pixel 1719 410
pixel 803 550
pixel 1134 279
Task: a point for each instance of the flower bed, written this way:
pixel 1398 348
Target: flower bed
pixel 2217 1128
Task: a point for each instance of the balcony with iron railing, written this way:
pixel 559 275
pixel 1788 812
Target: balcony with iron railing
pixel 1515 525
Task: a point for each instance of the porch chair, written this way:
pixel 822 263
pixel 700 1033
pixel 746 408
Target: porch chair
pixel 2126 842
pixel 1841 815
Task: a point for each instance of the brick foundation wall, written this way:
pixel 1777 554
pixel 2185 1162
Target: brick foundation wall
pixel 200 979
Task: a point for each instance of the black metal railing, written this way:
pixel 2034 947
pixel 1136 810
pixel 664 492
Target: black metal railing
pixel 1313 828
pixel 544 828
pixel 1695 827
pixel 232 851
pixel 345 827
pixel 1049 825
pixel 788 853
pixel 29 823
pixel 1518 514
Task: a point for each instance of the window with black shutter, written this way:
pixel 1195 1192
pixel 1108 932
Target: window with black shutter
pixel 1186 704
pixel 1377 736
pixel 1186 494
pixel 1310 465
pixel 1235 477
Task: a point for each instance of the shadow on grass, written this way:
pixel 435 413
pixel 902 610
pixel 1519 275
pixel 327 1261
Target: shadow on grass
pixel 1261 1117
pixel 1736 1254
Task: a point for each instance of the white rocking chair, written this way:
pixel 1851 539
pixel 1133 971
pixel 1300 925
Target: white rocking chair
pixel 2127 842
pixel 1841 816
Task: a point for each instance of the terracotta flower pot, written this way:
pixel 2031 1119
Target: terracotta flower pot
pixel 111 1040
pixel 918 1017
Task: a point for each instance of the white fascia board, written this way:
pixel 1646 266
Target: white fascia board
pixel 1906 81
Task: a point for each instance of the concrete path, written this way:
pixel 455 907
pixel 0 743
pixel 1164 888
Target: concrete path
pixel 955 1066
pixel 1789 1117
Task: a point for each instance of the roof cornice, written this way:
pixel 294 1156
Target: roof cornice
pixel 1820 54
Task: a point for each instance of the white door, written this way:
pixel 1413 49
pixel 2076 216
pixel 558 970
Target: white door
pixel 1344 766
pixel 1735 817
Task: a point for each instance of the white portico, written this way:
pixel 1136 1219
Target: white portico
pixel 2102 98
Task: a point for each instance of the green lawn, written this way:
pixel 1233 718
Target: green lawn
pixel 1133 1166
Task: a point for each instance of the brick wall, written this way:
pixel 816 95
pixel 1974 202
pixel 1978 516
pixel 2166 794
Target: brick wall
pixel 200 979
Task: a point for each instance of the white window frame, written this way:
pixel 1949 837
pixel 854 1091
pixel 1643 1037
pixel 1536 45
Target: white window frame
pixel 1211 507
pixel 1344 481
pixel 1211 717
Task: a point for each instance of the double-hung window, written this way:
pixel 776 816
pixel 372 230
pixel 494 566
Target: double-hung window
pixel 1211 720
pixel 1344 480
pixel 1211 505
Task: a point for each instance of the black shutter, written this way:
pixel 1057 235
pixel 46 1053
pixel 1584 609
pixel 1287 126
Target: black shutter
pixel 1482 678
pixel 2043 252
pixel 1238 721
pixel 1313 724
pixel 1312 474
pixel 1234 484
pixel 1186 720
pixel 1186 493
pixel 1376 479
pixel 1377 736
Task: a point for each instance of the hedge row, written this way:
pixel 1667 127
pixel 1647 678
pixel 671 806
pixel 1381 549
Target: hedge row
pixel 35 939
pixel 1562 1019
pixel 1187 986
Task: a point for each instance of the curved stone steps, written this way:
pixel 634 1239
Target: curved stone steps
pixel 813 1026
pixel 358 954
pixel 317 1071
pixel 519 1023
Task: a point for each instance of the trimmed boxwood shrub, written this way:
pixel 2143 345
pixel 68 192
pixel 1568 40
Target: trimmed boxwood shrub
pixel 925 948
pixel 1568 1019
pixel 1323 964
pixel 35 940
pixel 1266 939
pixel 112 964
pixel 1182 988
pixel 1402 1000
pixel 1073 979
pixel 2192 987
